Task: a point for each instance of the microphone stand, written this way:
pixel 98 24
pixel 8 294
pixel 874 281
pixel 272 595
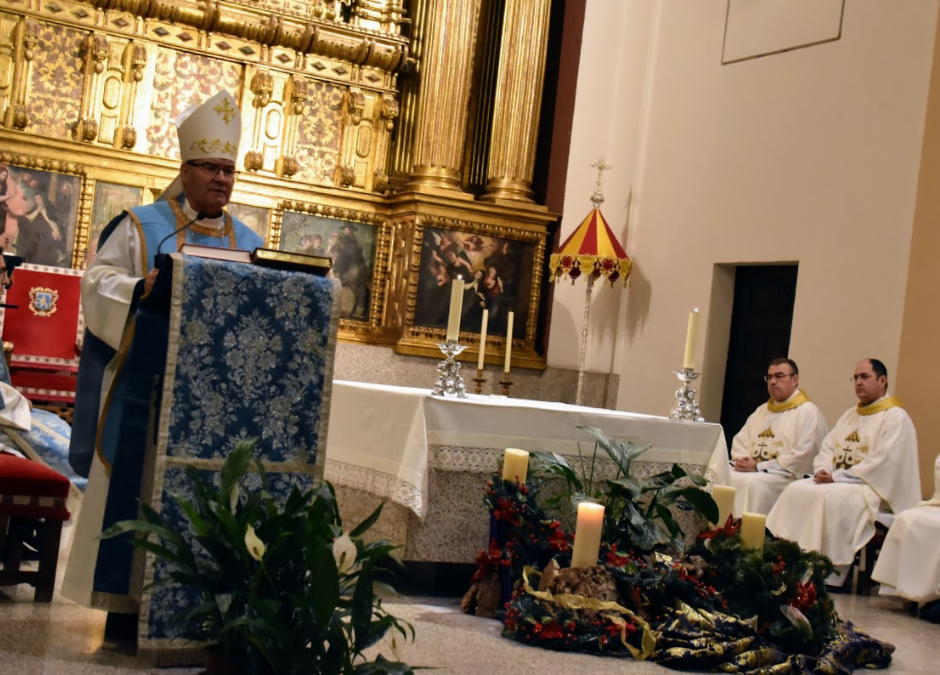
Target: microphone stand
pixel 159 260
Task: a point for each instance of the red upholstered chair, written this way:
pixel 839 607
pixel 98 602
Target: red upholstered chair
pixel 32 510
pixel 45 330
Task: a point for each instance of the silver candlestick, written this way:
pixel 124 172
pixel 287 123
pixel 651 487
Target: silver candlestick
pixel 449 380
pixel 686 405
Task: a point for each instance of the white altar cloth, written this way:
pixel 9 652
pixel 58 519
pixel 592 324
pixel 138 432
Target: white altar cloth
pixel 379 435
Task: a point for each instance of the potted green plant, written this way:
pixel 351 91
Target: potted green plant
pixel 284 589
pixel 637 511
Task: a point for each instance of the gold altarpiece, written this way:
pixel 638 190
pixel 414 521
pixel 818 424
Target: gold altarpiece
pixel 403 120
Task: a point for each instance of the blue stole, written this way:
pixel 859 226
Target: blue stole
pixel 120 436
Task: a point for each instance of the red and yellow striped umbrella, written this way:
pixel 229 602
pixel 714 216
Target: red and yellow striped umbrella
pixel 593 250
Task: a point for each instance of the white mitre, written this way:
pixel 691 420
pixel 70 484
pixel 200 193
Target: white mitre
pixel 208 131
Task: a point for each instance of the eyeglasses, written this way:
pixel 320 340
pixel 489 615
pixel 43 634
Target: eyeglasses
pixel 777 376
pixel 864 377
pixel 215 169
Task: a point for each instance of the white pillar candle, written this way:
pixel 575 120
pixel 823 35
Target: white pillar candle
pixel 724 498
pixel 752 530
pixel 508 342
pixel 691 340
pixel 456 305
pixel 587 536
pixel 486 318
pixel 515 465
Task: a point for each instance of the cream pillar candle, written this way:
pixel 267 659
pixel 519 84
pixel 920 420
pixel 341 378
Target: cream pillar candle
pixel 508 341
pixel 515 465
pixel 587 536
pixel 456 306
pixel 691 340
pixel 724 498
pixel 486 318
pixel 752 530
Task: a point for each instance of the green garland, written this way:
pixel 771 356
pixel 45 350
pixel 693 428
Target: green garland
pixel 719 606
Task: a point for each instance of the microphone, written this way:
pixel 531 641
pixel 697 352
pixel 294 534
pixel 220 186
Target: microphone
pixel 159 260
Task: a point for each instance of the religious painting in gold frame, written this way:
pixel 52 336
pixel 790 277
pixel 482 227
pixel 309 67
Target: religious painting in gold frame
pixel 355 241
pixel 44 206
pixel 111 199
pixel 257 218
pixel 502 268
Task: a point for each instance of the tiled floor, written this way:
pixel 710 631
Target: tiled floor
pixel 62 638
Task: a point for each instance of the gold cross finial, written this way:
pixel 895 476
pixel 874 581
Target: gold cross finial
pixel 598 196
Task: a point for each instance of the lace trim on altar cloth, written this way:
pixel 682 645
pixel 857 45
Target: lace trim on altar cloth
pixel 489 460
pixel 377 483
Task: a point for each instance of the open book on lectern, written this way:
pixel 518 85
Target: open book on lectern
pixel 264 257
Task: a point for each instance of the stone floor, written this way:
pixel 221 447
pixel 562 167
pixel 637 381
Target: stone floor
pixel 61 638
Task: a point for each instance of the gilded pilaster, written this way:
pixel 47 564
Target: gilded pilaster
pixel 369 121
pixel 17 48
pixel 94 55
pixel 296 96
pixel 446 77
pixel 518 100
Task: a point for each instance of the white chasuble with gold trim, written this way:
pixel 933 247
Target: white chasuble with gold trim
pixel 838 518
pixel 783 443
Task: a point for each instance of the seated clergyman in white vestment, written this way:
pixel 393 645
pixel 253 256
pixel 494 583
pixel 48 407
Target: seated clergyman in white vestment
pixel 778 442
pixel 867 463
pixel 909 563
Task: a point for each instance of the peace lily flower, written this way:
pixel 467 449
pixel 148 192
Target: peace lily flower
pixel 344 553
pixel 254 544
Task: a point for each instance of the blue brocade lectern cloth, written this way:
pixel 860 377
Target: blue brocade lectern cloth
pixel 249 354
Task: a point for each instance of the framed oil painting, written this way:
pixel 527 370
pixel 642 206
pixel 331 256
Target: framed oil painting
pixel 350 239
pixel 110 200
pixel 256 217
pixel 39 213
pixel 497 272
pixel 502 268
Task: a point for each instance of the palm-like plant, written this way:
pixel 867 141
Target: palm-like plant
pixel 281 585
pixel 637 510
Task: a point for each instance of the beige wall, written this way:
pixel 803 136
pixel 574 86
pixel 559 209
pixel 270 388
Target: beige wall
pixel 810 156
pixel 608 115
pixel 917 374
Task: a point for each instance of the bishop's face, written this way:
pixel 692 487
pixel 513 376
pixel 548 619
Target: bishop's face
pixel 782 382
pixel 208 184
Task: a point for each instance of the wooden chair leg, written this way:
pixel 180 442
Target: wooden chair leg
pixel 48 560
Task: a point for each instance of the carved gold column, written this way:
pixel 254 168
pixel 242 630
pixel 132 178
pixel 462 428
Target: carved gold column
pixel 445 70
pixel 17 48
pixel 518 100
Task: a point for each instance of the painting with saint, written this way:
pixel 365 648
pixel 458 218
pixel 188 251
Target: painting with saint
pixel 38 214
pixel 497 273
pixel 351 247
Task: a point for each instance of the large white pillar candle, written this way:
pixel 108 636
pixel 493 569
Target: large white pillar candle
pixel 508 342
pixel 691 340
pixel 752 530
pixel 587 535
pixel 486 318
pixel 515 465
pixel 724 498
pixel 456 306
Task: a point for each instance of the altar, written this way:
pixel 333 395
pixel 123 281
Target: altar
pixel 429 457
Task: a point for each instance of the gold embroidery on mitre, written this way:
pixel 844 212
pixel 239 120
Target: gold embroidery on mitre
pixel 225 110
pixel 207 145
pixel 766 433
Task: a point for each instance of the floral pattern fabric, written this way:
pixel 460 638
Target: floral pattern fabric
pixel 250 356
